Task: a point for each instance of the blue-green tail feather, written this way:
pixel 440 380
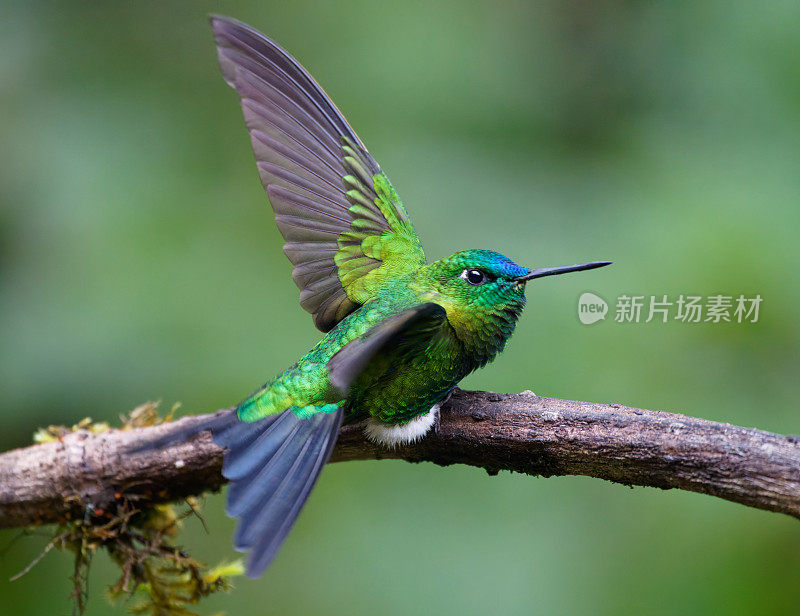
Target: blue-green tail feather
pixel 272 466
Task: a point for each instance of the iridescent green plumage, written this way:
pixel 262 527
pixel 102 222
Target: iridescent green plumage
pixel 400 333
pixel 397 384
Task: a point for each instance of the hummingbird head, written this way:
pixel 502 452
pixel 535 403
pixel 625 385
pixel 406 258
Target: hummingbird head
pixel 483 293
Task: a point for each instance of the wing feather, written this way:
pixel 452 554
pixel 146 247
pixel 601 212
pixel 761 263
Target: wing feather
pixel 402 335
pixel 340 216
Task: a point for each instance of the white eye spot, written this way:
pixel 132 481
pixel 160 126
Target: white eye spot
pixel 474 276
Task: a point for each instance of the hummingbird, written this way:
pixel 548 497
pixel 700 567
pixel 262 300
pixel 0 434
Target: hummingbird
pixel 399 332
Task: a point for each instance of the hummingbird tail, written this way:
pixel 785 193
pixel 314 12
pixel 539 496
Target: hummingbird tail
pixel 272 464
pixel 178 432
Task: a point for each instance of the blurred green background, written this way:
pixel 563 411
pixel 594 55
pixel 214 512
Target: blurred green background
pixel 138 260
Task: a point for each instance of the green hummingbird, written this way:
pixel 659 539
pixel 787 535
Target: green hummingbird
pixel 400 332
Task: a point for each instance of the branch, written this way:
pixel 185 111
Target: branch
pixel 84 472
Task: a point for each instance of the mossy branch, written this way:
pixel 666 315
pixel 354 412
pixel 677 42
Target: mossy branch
pixel 84 472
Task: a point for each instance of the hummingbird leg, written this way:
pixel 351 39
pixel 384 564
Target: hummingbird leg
pixel 437 422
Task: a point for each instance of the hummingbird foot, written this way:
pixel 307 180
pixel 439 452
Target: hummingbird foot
pixel 390 436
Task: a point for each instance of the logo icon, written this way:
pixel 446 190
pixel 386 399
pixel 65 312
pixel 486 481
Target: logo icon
pixel 591 308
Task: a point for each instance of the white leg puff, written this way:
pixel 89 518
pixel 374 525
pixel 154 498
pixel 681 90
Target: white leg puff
pixel 392 435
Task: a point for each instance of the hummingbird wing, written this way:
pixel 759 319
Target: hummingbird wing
pixel 386 344
pixel 345 228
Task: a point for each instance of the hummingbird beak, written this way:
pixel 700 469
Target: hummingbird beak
pixel 541 272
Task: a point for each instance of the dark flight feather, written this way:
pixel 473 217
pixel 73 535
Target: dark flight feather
pixel 316 171
pixel 409 330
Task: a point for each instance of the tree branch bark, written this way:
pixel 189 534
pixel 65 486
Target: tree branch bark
pixel 83 473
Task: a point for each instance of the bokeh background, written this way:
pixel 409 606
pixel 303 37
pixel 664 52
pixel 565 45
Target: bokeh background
pixel 138 260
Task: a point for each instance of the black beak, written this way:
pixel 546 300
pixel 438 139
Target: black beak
pixel 540 272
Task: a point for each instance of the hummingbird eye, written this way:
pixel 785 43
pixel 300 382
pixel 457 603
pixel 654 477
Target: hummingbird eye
pixel 474 276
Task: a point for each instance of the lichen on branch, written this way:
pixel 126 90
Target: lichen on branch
pixel 157 576
pixel 85 473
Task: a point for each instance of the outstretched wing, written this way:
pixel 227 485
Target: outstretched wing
pixel 345 228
